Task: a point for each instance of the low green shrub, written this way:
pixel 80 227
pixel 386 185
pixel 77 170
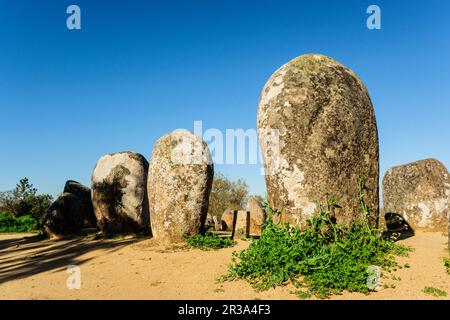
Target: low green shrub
pixel 447 265
pixel 209 241
pixel 27 223
pixel 326 257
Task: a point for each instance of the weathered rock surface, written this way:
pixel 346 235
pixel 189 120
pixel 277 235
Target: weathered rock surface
pixel 65 216
pixel 257 216
pixel 179 182
pixel 242 229
pixel 119 193
pixel 217 224
pixel 84 195
pixel 209 223
pixel 227 219
pixel 327 139
pixel 420 193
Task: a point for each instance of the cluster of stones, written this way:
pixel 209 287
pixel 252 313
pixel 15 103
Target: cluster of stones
pixel 248 222
pixel 318 135
pixel 327 140
pixel 168 196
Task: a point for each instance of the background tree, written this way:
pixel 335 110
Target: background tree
pixel 24 200
pixel 226 194
pixel 260 199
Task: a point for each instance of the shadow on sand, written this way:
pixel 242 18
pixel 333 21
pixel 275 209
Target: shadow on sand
pixel 27 256
pixel 397 227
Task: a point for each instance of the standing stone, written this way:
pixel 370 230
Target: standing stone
pixel 179 182
pixel 420 193
pixel 257 216
pixel 242 227
pixel 318 135
pixel 84 195
pixel 64 216
pixel 227 219
pixel 217 225
pixel 119 192
pixel 209 222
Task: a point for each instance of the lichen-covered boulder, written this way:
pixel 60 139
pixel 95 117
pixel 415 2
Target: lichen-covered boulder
pixel 119 193
pixel 64 216
pixel 420 193
pixel 257 216
pixel 179 182
pixel 84 195
pixel 318 135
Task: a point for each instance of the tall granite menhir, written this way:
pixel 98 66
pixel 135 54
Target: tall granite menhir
pixel 318 135
pixel 179 182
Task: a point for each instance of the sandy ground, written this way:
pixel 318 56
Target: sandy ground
pixel 141 269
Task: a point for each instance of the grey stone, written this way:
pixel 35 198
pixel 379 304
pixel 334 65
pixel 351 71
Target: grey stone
pixel 420 193
pixel 327 139
pixel 84 195
pixel 119 193
pixel 64 216
pixel 179 183
pixel 257 216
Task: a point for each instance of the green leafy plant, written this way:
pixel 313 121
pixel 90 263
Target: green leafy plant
pixel 447 265
pixel 209 241
pixel 24 200
pixel 434 292
pixel 325 257
pixel 9 223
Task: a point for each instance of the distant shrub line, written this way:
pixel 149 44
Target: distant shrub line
pixel 9 223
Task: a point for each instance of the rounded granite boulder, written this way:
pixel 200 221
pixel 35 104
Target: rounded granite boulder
pixel 420 193
pixel 119 193
pixel 64 216
pixel 84 195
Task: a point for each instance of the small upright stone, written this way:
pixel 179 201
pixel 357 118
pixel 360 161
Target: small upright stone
pixel 179 182
pixel 420 193
pixel 242 227
pixel 318 135
pixel 119 193
pixel 257 216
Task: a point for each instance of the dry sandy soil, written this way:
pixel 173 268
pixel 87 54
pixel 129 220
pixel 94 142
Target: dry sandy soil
pixel 141 269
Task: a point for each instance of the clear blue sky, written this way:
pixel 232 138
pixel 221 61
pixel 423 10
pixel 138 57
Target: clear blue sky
pixel 139 69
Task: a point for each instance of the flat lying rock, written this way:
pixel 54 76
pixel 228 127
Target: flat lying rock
pixel 64 216
pixel 420 193
pixel 179 182
pixel 119 193
pixel 318 135
pixel 84 195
